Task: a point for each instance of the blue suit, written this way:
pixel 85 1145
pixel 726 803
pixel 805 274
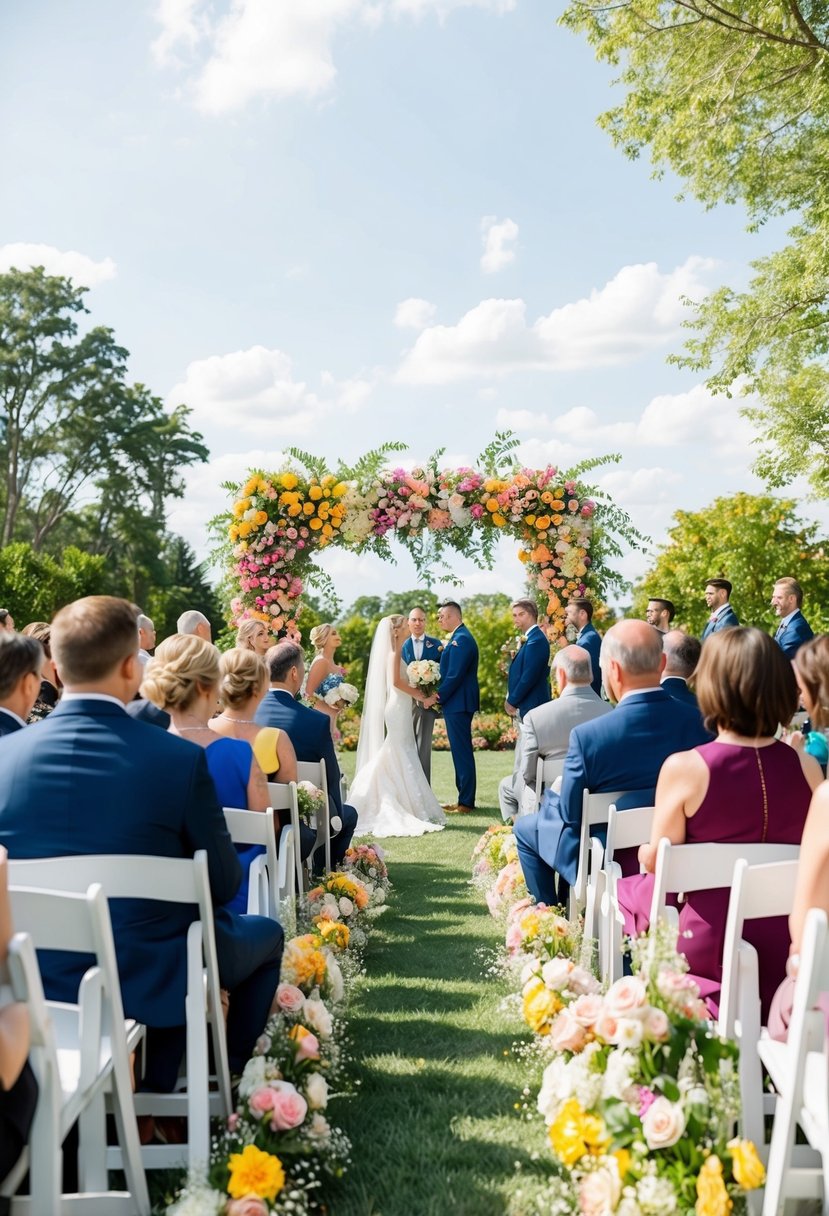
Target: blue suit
pixel 528 685
pixel 8 724
pixel 431 649
pixel 791 636
pixel 459 700
pixel 310 732
pixel 623 750
pixel 92 779
pixel 591 641
pixel 677 688
pixel 727 619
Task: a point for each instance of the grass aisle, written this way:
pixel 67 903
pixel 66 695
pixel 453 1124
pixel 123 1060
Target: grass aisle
pixel 434 1127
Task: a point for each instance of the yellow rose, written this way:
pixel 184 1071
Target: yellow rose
pixel 261 517
pixel 540 1005
pixel 340 489
pixel 337 932
pixel 542 522
pixel 289 481
pixel 498 520
pixel 747 1167
pixel 240 507
pixel 315 493
pixel 712 1197
pixel 575 1134
pixel 253 1172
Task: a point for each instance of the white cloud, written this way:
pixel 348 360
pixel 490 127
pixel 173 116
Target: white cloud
pixel 414 313
pixel 85 271
pixel 498 238
pixel 419 8
pixel 181 24
pixel 638 310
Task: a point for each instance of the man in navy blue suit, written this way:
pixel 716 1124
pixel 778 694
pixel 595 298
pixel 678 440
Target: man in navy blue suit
pixel 528 686
pixel 623 750
pixel 793 629
pixel 91 779
pixel 21 659
pixel 459 698
pixel 416 647
pixel 682 652
pixel 579 614
pixel 310 732
pixel 723 616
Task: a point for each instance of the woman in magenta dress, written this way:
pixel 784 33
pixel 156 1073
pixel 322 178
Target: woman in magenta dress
pixel 744 787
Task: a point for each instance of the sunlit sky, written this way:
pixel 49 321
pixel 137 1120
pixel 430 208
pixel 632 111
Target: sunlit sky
pixel 338 222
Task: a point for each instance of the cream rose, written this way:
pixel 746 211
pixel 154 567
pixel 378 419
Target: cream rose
pixel 600 1190
pixel 657 1026
pixel 627 998
pixel 566 1034
pixel 663 1124
pixel 316 1091
pixel 556 973
pixel 587 1009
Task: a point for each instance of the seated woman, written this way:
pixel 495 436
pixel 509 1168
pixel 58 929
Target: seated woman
pixel 744 787
pixel 49 693
pixel 811 669
pixel 183 679
pixel 325 640
pixel 253 636
pixel 18 1087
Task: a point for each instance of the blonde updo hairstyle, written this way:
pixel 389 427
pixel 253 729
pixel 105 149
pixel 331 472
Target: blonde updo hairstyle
pixel 243 675
pixel 182 667
pixel 245 632
pixel 319 637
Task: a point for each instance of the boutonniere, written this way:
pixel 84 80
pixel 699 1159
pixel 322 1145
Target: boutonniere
pixel 453 643
pixel 440 648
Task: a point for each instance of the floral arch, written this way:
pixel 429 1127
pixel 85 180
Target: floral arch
pixel 567 531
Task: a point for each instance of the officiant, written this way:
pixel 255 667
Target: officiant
pixel 421 646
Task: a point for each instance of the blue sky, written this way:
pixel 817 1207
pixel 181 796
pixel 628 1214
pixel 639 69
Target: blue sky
pixel 336 222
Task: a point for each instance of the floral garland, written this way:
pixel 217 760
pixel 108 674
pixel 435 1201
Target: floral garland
pixel 280 520
pixel 279 1151
pixel 639 1096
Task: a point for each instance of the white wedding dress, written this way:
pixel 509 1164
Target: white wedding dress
pixel 390 791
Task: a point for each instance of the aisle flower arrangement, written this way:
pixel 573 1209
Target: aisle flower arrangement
pixel 280 1151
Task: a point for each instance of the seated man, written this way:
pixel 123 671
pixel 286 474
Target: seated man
pixel 619 751
pixel 21 659
pixel 91 779
pixel 682 652
pixel 310 732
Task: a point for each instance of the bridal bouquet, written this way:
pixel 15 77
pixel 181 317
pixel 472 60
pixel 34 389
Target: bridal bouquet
pixel 336 693
pixel 641 1097
pixel 310 802
pixel 423 673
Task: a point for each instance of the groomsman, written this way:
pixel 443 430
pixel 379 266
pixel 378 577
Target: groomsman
pixel 421 646
pixel 660 613
pixel 528 686
pixel 459 698
pixel 579 614
pixel 794 629
pixel 723 616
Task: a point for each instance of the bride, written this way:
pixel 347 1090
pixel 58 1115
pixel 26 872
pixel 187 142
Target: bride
pixel 390 791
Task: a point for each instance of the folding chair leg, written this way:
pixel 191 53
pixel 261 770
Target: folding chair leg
pixel 92 1166
pixel 46 1180
pixel 780 1151
pixel 127 1128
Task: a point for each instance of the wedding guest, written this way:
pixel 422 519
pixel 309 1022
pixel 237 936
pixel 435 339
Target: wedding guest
pixel 252 635
pixel 419 645
pixel 793 629
pixel 682 651
pixel 6 620
pixel 744 787
pixel 195 623
pixel 579 615
pixel 460 699
pixel 104 783
pixel 146 639
pixel 21 662
pixel 310 734
pixel 528 686
pixel 18 1087
pixel 660 613
pixel 723 616
pixel 49 693
pixel 619 751
pixel 325 640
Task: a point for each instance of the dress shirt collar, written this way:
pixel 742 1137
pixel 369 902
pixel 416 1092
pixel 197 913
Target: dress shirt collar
pixel 715 616
pixel 90 696
pixel 784 620
pixel 635 692
pixel 12 714
pixel 672 677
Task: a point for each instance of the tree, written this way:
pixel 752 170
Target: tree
pixel 735 100
pixel 33 586
pixel 752 540
pixel 69 422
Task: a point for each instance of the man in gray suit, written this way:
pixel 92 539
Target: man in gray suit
pixel 545 731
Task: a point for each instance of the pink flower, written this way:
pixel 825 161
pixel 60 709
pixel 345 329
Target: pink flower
pixel 232 1122
pixel 251 1205
pixel 566 1034
pixel 476 510
pixel 646 1098
pixel 261 1101
pixel 289 998
pixel 627 998
pixel 587 1009
pixel 657 1026
pixel 308 1047
pixel 289 1107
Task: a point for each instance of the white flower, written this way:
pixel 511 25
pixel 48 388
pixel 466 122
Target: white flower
pixel 198 1199
pixel 656 1196
pixel 316 1091
pixel 252 1076
pixel 335 979
pixel 600 1190
pixel 663 1124
pixel 618 1076
pixel 628 1205
pixel 318 1018
pixel 346 906
pixel 629 1032
pixel 556 973
pixel 319 1129
pixel 555 1089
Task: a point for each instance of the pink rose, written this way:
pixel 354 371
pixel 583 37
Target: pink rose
pixel 627 998
pixel 251 1205
pixel 657 1026
pixel 289 998
pixel 566 1034
pixel 308 1048
pixel 232 1122
pixel 514 939
pixel 289 1107
pixel 600 1191
pixel 581 981
pixel 607 1027
pixel 261 1101
pixel 587 1009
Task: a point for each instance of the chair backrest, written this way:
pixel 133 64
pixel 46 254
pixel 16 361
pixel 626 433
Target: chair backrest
pixel 547 770
pixel 254 827
pixel 757 891
pixel 315 772
pixel 627 829
pixel 594 812
pixel 706 867
pixel 284 797
pixel 813 976
pixel 179 880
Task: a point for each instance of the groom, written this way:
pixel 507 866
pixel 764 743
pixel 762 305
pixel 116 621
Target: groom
pixel 459 699
pixel 421 646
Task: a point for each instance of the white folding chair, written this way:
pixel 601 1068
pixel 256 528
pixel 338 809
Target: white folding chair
pixel 547 770
pixel 314 771
pixel 284 798
pixel 625 830
pixel 170 880
pixel 80 1054
pixel 705 867
pixel 799 1069
pixel 586 892
pixel 756 892
pixel 252 827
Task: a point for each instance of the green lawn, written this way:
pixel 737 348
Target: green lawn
pixel 434 1126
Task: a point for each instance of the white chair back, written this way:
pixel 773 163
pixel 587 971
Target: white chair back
pixel 284 798
pixel 625 830
pixel 705 867
pixel 547 770
pixel 80 1054
pixel 169 880
pixel 252 827
pixel 315 772
pixel 594 813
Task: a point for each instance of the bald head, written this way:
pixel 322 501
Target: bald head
pixel 631 657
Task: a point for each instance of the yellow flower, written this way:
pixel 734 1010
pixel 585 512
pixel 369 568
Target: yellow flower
pixel 289 481
pixel 492 504
pixel 298 1033
pixel 540 1005
pixel 315 524
pixel 542 522
pixel 622 1161
pixel 523 555
pixel 747 1167
pixel 335 931
pixel 575 1134
pixel 253 1172
pixel 240 506
pixel 712 1197
pixel 315 493
pixel 340 489
pixel 250 487
pixel 327 531
pixel 295 510
pixel 308 508
pixel 261 517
